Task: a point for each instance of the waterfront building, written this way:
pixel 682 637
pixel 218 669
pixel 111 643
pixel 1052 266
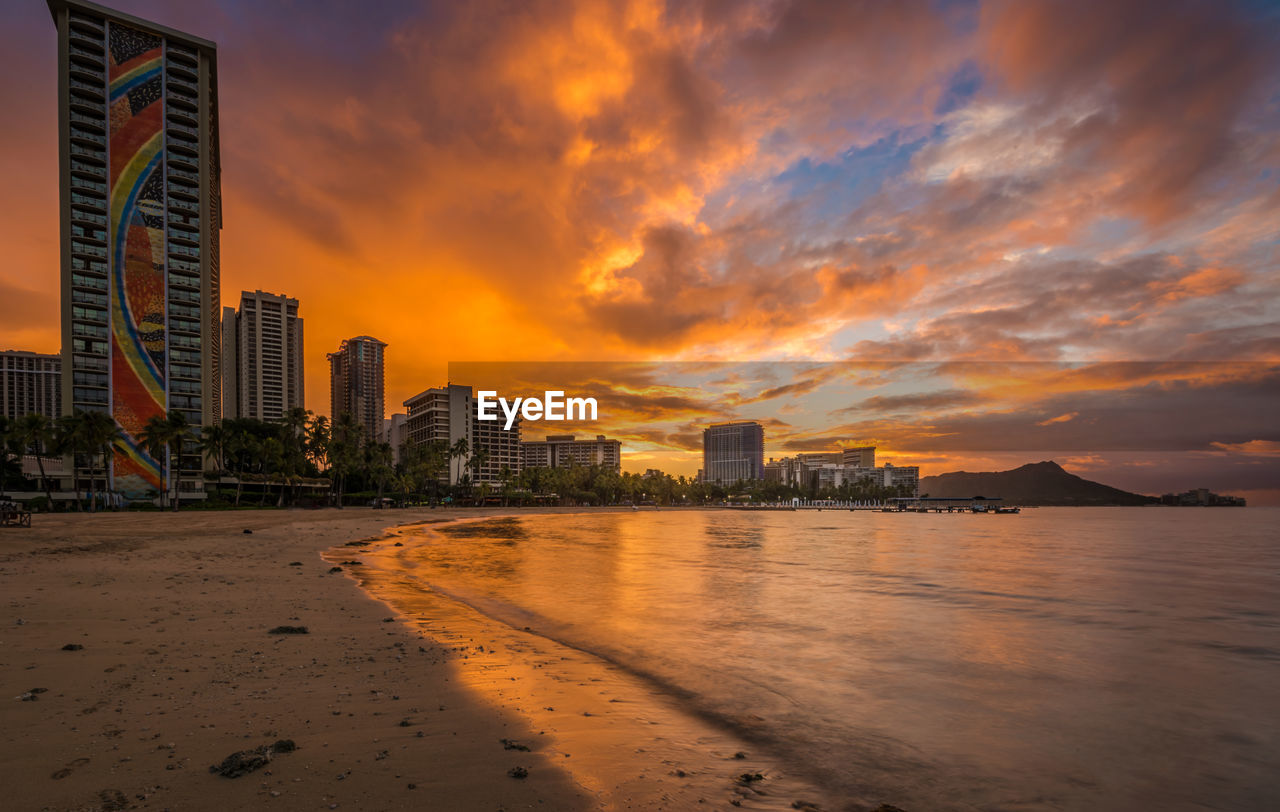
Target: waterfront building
pixel 836 469
pixel 733 451
pixel 563 451
pixel 395 431
pixel 448 414
pixel 1202 497
pixel 861 456
pixel 30 383
pixel 140 209
pixel 356 379
pixel 262 357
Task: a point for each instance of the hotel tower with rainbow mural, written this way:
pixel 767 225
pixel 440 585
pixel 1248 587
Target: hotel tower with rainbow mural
pixel 141 213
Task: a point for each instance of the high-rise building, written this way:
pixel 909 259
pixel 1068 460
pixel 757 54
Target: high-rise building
pixel 446 415
pixel 862 456
pixel 141 211
pixel 562 451
pixel 356 383
pixel 30 383
pixel 395 431
pixel 262 357
pixel 732 451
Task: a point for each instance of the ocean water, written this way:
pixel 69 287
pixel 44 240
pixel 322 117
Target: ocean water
pixel 1060 659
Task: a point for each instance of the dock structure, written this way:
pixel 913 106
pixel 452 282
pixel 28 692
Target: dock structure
pixel 900 504
pixel 950 504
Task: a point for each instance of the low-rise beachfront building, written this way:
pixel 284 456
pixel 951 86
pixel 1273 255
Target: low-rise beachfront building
pixel 818 470
pixel 564 450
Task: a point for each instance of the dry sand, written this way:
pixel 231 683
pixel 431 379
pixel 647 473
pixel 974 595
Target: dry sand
pixel 396 705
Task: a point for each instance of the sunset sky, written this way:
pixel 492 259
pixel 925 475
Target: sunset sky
pixel 1076 184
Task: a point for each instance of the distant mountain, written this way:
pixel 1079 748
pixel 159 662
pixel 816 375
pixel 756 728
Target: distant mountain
pixel 1036 483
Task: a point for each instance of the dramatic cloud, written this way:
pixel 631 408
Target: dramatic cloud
pixel 979 181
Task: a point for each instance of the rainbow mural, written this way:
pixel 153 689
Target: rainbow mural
pixel 137 252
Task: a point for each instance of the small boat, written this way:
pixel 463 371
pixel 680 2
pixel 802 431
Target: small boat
pixel 1007 510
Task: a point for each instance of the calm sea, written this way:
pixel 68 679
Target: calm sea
pixel 1061 659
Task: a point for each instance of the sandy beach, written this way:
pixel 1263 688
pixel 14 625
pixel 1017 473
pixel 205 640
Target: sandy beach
pixel 136 652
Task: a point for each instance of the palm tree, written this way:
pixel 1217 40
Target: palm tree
pixel 167 437
pixel 68 438
pixel 213 444
pixel 9 444
pixel 478 459
pixel 155 439
pixel 8 439
pixel 345 443
pixel 319 438
pixel 460 449
pixel 378 457
pixel 35 432
pixel 100 436
pixel 504 476
pixel 273 460
pixel 180 433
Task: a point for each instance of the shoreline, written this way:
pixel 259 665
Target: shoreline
pixel 622 736
pixel 177 671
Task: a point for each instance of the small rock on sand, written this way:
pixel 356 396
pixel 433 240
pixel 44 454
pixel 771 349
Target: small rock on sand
pixel 243 762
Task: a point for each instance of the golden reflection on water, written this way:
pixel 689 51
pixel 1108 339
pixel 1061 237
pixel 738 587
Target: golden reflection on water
pixel 1053 660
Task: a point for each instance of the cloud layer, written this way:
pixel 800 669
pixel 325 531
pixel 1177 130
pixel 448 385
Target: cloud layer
pixel 931 181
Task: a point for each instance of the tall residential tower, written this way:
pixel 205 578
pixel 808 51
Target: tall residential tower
pixel 733 451
pixel 355 383
pixel 30 383
pixel 262 357
pixel 140 205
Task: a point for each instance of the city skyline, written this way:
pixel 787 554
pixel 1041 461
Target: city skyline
pixel 688 186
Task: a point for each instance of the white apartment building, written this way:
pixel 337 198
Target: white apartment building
pixel 563 450
pixel 262 357
pixel 448 414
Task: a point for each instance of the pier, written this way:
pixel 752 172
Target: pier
pixel 901 504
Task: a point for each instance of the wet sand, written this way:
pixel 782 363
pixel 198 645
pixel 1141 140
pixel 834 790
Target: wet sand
pixel 389 709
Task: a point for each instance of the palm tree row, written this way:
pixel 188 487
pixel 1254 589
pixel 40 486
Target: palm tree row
pixel 87 437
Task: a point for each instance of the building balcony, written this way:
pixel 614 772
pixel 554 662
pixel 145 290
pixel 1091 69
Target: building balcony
pixel 176 174
pixel 83 56
pixel 95 122
pixel 175 127
pixel 185 147
pixel 88 152
pixel 88 137
pixel 184 104
pixel 184 206
pixel 88 26
pixel 180 191
pixel 88 86
pixel 93 107
pixel 178 69
pixel 180 84
pixel 93 201
pixel 86 74
pixel 86 282
pixel 85 183
pixel 82 39
pixel 91 330
pixel 78 247
pixel 182 116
